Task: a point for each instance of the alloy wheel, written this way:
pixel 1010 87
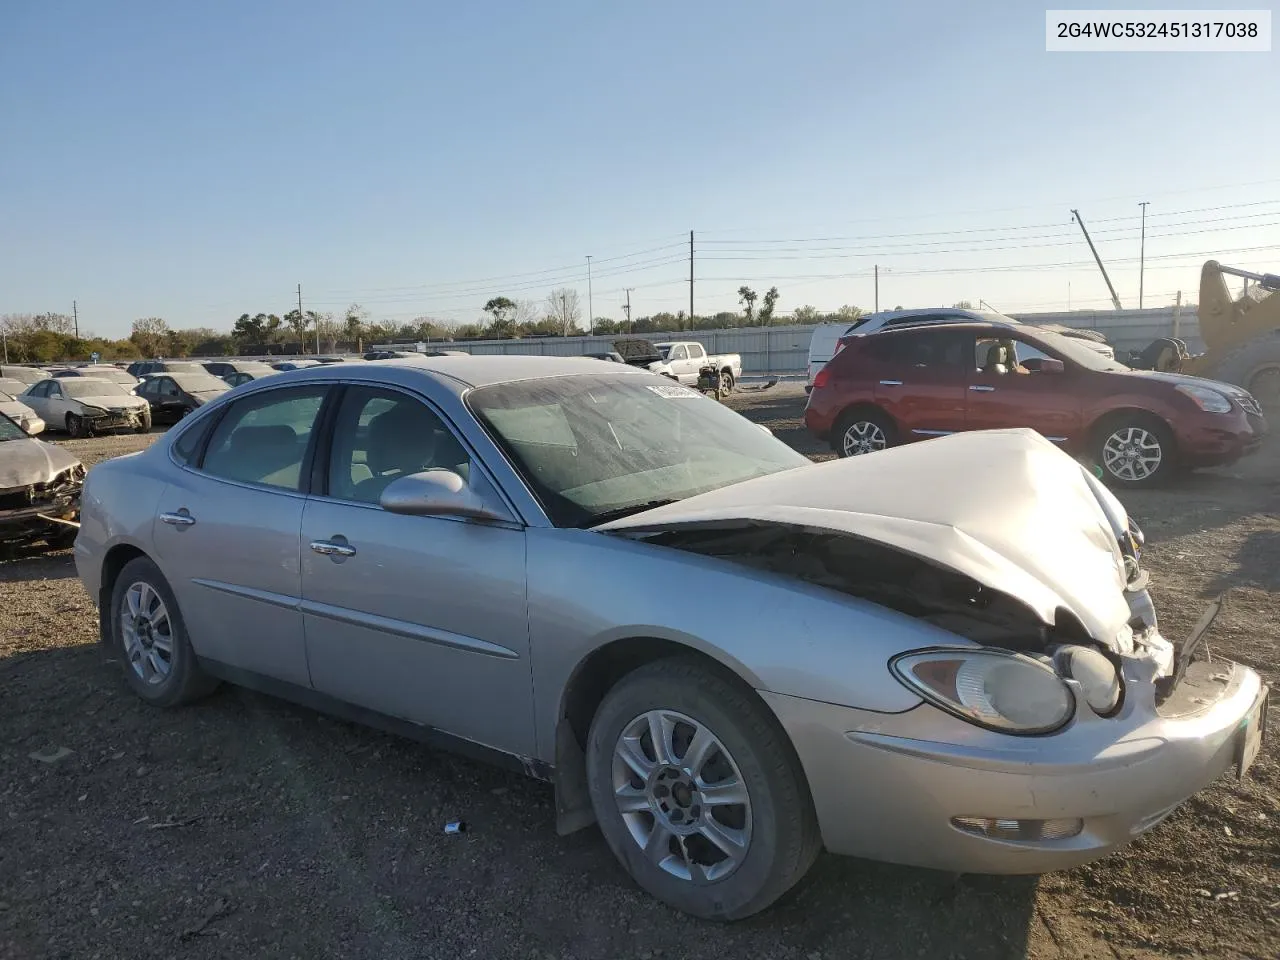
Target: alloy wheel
pixel 1265 387
pixel 681 796
pixel 1132 453
pixel 148 633
pixel 863 436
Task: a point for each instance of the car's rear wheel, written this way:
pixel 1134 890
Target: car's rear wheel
pixel 698 792
pixel 862 431
pixel 148 632
pixel 727 383
pixel 1134 450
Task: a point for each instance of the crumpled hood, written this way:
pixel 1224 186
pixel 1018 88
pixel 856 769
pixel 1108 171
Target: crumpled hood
pixel 117 402
pixel 15 409
pixel 1005 507
pixel 31 461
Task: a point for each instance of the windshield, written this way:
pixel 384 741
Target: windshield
pixel 199 383
pixel 77 387
pixel 594 448
pixel 110 373
pixel 10 430
pixel 1073 349
pixel 664 350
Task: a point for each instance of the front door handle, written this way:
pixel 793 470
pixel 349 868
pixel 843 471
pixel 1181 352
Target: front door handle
pixel 890 383
pixel 328 548
pixel 180 519
pixel 979 388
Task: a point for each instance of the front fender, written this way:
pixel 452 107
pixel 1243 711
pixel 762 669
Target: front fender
pixel 588 589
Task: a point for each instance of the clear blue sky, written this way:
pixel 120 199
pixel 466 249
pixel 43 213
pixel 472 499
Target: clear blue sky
pixel 196 161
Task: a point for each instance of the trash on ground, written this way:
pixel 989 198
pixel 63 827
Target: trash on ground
pixel 52 755
pixel 455 826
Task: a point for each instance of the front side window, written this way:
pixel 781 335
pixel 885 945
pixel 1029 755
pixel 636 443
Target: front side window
pixel 166 388
pixel 380 436
pixel 594 448
pixel 264 438
pixel 679 353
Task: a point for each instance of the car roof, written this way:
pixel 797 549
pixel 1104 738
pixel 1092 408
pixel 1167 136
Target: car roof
pixel 965 326
pixel 465 370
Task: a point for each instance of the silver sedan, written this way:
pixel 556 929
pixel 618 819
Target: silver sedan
pixel 728 657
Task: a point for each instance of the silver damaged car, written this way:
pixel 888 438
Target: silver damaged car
pixel 726 656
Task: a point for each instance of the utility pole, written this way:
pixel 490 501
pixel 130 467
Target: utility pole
pixel 75 314
pixel 4 336
pixel 627 307
pixel 690 279
pixel 1142 252
pixel 1115 300
pixel 564 312
pixel 1177 316
pixel 591 313
pixel 877 310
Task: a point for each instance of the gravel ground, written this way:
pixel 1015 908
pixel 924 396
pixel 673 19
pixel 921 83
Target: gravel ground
pixel 245 826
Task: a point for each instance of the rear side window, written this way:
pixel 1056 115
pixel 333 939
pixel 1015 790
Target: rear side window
pixel 263 439
pixel 943 350
pixel 187 446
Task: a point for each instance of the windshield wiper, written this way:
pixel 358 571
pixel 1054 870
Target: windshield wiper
pixel 635 508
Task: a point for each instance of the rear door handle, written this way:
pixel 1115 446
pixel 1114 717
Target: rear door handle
pixel 890 383
pixel 180 519
pixel 979 388
pixel 328 548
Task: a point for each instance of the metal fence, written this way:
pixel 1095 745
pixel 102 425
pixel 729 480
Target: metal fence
pixel 785 349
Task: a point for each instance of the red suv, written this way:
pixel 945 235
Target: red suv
pixel 913 383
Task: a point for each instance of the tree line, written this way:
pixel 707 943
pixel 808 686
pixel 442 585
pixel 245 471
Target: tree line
pixel 50 337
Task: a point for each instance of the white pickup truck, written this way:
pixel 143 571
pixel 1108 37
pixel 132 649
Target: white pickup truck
pixel 683 359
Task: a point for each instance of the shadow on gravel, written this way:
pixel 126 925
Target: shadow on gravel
pixel 1257 564
pixel 272 830
pixel 34 562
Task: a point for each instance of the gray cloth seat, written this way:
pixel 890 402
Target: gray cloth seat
pixel 405 440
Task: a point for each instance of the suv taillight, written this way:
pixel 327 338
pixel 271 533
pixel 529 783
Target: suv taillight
pixel 822 378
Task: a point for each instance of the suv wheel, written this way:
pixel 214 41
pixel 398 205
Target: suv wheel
pixel 1134 450
pixel 863 431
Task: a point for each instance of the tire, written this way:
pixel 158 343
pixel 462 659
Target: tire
pixel 145 425
pixel 1255 365
pixel 61 539
pixel 776 825
pixel 1126 444
pixel 727 382
pixel 863 430
pixel 162 682
pixel 76 426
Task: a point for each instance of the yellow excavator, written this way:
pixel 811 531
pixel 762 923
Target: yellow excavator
pixel 1241 336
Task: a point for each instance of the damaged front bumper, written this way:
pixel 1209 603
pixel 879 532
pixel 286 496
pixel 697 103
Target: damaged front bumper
pixel 132 419
pixel 42 514
pixel 909 787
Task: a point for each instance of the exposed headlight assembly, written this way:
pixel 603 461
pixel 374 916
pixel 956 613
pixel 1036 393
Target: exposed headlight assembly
pixel 996 689
pixel 1098 678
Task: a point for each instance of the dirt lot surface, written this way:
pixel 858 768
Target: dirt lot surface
pixel 246 827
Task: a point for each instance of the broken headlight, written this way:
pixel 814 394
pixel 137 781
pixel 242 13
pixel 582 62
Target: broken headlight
pixel 1098 678
pixel 996 689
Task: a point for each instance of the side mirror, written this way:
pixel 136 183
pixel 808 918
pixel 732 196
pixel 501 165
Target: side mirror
pixel 1050 365
pixel 437 493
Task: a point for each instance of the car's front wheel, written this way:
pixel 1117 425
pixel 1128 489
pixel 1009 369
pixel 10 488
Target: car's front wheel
pixel 698 792
pixel 144 422
pixel 77 426
pixel 148 632
pixel 1134 450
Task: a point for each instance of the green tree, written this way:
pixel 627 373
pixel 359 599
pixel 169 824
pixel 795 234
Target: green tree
pixel 150 335
pixel 963 305
pixel 767 306
pixel 849 313
pixel 747 297
pixel 806 314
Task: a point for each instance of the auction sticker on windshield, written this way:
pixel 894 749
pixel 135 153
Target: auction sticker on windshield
pixel 673 391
